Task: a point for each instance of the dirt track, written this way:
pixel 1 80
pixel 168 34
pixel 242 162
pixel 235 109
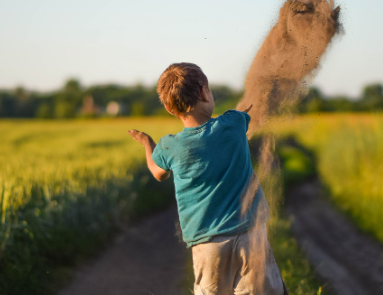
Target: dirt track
pixel 350 262
pixel 147 259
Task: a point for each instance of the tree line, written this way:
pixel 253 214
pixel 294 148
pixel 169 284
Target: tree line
pixel 73 100
pixel 371 100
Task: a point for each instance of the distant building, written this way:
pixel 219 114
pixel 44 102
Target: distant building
pixel 114 108
pixel 89 108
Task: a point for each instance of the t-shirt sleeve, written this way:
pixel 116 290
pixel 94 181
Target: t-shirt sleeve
pixel 159 157
pixel 240 117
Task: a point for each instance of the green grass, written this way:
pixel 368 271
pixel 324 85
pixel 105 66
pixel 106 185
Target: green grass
pixel 63 187
pixel 349 153
pixel 351 166
pixel 297 273
pixel 64 184
pixel 296 164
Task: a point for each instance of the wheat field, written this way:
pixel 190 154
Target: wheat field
pixel 66 182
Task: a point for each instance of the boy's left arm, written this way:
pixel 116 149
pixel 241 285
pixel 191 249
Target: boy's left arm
pixel 149 145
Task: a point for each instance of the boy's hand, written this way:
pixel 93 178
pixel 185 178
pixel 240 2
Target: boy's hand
pixel 248 109
pixel 149 145
pixel 141 137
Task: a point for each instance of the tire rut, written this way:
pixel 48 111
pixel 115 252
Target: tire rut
pixel 147 259
pixel 349 262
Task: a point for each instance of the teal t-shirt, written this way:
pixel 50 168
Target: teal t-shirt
pixel 211 167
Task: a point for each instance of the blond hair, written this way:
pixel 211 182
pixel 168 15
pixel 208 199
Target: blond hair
pixel 180 85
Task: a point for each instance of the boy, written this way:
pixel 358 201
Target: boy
pixel 221 207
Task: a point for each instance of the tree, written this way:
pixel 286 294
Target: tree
pixel 138 109
pixel 44 111
pixel 25 102
pixel 312 102
pixel 372 98
pixel 64 110
pixel 68 100
pixel 7 105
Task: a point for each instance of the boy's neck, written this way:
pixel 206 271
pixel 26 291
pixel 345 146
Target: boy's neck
pixel 190 121
pixel 201 112
pixel 196 117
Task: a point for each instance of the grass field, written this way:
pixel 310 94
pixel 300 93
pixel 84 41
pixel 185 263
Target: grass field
pixel 349 156
pixel 63 185
pixel 67 182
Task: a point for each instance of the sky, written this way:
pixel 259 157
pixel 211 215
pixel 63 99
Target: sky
pixel 45 42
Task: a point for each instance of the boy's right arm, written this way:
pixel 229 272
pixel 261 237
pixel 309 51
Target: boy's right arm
pixel 149 145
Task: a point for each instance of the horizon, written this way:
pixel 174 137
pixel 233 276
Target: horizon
pixel 148 86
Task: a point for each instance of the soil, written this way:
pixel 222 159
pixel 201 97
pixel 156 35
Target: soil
pixel 348 261
pixel 146 259
pixel 288 57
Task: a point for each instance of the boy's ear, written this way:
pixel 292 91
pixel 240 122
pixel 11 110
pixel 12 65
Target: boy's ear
pixel 169 110
pixel 203 93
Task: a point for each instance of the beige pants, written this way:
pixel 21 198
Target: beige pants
pixel 242 264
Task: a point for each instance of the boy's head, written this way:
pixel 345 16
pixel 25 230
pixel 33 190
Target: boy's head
pixel 180 86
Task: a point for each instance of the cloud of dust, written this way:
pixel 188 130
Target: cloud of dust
pixel 290 53
pixel 278 74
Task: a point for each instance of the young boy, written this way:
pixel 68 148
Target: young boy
pixel 221 206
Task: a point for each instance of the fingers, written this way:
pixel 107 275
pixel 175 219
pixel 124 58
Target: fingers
pixel 133 133
pixel 335 13
pixel 248 108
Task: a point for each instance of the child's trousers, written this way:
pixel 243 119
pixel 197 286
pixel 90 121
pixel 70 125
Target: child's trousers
pixel 241 264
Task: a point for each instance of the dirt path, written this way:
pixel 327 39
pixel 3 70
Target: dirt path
pixel 350 262
pixel 147 259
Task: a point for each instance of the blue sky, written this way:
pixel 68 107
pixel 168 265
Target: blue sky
pixel 45 42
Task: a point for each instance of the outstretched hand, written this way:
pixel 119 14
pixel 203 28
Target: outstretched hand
pixel 141 137
pixel 248 109
pixel 149 145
